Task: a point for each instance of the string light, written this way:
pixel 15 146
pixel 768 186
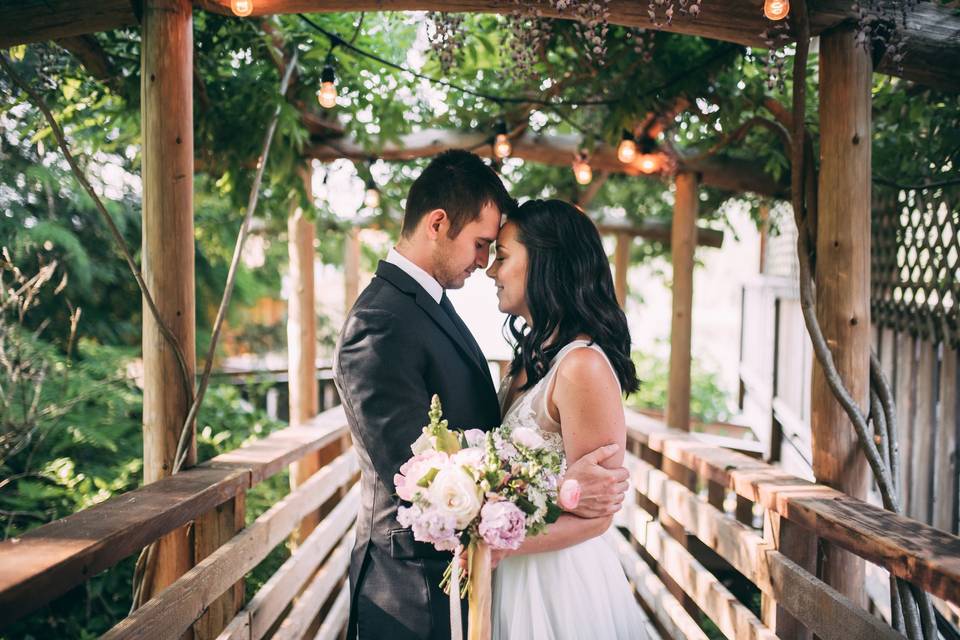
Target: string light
pixel 501 143
pixel 371 198
pixel 776 9
pixel 650 160
pixel 581 169
pixel 328 88
pixel 241 8
pixel 627 151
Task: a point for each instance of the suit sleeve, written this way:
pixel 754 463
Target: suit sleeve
pixel 381 371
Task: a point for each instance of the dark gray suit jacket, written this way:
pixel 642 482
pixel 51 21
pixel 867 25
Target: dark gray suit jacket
pixel 397 348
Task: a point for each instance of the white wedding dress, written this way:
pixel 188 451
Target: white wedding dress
pixel 576 593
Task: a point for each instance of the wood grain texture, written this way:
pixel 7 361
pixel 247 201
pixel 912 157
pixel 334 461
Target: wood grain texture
pixel 910 549
pixel 683 243
pixel 946 509
pixel 175 609
pixel 843 279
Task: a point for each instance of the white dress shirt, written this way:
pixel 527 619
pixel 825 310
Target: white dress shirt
pixel 424 279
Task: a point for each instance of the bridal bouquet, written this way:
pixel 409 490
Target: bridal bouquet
pixel 477 491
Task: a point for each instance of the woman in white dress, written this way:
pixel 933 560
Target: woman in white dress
pixel 571 366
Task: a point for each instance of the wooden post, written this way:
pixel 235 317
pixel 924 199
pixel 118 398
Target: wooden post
pixel 621 265
pixel 302 348
pixel 683 241
pixel 351 269
pixel 166 112
pixel 843 280
pixel 764 234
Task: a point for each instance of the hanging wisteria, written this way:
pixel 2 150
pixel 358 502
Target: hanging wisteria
pixel 662 12
pixel 445 36
pixel 775 37
pixel 880 26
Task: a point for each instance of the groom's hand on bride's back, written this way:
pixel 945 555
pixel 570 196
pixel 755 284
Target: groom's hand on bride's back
pixel 602 490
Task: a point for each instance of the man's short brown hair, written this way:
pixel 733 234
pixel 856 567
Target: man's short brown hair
pixel 461 184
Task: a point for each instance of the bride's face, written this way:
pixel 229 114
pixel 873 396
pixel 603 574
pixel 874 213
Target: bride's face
pixel 509 272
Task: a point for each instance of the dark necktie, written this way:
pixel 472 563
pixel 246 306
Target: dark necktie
pixel 447 307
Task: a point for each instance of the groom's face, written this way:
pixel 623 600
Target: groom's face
pixel 458 257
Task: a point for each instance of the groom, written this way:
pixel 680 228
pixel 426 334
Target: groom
pixel 401 343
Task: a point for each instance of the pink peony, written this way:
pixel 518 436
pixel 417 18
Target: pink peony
pixel 502 525
pixel 569 496
pixel 475 437
pixel 414 469
pixel 431 526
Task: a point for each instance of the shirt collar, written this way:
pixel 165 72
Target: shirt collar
pixel 424 279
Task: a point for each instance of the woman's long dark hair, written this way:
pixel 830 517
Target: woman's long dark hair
pixel 569 292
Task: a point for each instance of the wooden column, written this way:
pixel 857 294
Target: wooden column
pixel 351 269
pixel 166 114
pixel 843 280
pixel 683 241
pixel 302 348
pixel 764 234
pixel 621 265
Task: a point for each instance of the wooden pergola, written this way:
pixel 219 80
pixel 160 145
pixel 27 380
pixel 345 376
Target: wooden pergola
pixel 195 582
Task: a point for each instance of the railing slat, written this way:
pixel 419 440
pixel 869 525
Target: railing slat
pixel 336 618
pixel 815 604
pixel 732 618
pixel 669 612
pixel 277 593
pixel 910 549
pixel 52 559
pixel 172 612
pixel 308 603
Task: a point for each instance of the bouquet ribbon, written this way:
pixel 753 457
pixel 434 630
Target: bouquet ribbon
pixel 479 625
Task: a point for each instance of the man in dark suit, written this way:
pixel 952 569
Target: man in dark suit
pixel 401 343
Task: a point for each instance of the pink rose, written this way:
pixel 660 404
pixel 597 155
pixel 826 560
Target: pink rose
pixel 502 525
pixel 569 494
pixel 472 458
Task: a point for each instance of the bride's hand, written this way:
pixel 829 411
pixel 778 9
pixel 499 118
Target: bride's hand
pixel 496 556
pixel 602 490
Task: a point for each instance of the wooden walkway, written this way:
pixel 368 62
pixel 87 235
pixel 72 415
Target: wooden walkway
pixel 691 542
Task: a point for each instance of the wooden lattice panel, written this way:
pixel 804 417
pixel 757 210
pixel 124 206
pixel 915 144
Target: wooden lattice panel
pixel 916 264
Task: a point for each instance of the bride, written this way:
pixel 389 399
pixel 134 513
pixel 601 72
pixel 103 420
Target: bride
pixel 570 368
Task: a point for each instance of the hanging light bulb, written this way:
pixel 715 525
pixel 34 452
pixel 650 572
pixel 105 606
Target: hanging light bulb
pixel 328 89
pixel 371 198
pixel 241 8
pixel 776 9
pixel 649 163
pixel 627 151
pixel 501 144
pixel 650 160
pixel 581 169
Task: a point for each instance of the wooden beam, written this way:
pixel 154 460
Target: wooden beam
pixel 166 114
pixel 683 243
pixel 728 174
pixel 302 344
pixel 843 281
pixel 659 230
pixel 930 40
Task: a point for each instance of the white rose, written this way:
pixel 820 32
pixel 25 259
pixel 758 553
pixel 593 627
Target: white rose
pixel 454 492
pixel 527 437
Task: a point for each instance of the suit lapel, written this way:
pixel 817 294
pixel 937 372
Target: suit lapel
pixel 396 276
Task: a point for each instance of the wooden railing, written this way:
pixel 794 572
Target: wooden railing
pixel 48 561
pixel 691 530
pixel 692 547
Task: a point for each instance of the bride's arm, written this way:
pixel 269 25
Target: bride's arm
pixel 587 398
